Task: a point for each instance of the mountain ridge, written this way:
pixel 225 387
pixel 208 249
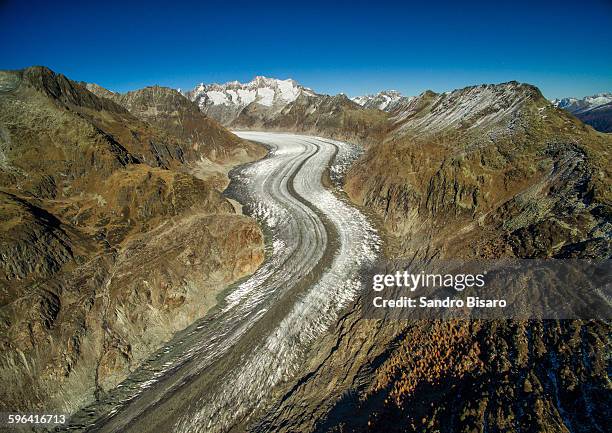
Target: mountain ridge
pixel 105 236
pixel 211 149
pixel 224 103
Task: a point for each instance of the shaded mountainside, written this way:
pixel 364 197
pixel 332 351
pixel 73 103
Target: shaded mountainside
pixel 489 166
pixel 576 105
pixel 599 117
pixel 483 172
pixel 108 245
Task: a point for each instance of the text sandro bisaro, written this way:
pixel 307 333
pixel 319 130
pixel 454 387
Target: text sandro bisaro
pixel 412 281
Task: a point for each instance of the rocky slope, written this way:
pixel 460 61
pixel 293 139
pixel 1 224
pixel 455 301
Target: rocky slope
pixel 483 172
pixel 593 110
pixel 471 159
pixel 108 245
pixel 210 149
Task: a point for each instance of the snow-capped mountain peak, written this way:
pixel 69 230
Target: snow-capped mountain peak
pixel 261 90
pixel 226 101
pixel 382 100
pixel 577 105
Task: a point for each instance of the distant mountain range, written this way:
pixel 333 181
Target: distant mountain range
pixel 273 104
pixel 576 105
pixel 593 110
pixel 225 101
pixel 386 100
pixel 270 103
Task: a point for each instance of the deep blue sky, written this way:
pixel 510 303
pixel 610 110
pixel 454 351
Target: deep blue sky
pixel 355 47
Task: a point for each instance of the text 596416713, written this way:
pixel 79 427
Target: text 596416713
pixel 8 419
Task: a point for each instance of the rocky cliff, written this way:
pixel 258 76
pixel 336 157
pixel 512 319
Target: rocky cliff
pixel 108 242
